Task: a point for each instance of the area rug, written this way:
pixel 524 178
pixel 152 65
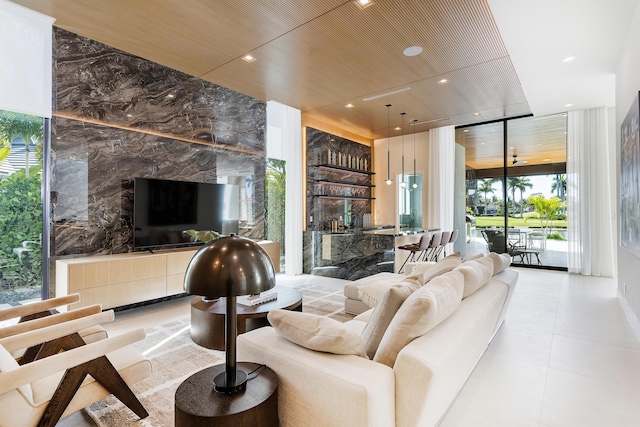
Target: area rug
pixel 175 358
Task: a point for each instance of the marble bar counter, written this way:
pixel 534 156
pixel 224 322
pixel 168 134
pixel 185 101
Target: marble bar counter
pixel 353 255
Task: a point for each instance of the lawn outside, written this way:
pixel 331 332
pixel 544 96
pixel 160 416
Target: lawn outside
pixel 498 221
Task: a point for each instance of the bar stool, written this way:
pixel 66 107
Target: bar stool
pixel 421 246
pixel 436 238
pixel 454 237
pixel 446 235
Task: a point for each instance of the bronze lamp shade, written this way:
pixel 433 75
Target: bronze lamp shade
pixel 229 267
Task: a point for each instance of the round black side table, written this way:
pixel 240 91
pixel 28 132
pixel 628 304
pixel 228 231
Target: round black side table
pixel 198 405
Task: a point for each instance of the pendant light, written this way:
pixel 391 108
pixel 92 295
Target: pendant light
pixel 388 151
pixel 415 183
pixel 403 184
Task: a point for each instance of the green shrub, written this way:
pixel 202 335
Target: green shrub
pixel 555 236
pixel 21 220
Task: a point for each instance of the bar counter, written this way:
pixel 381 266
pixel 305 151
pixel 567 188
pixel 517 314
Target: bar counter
pixel 352 255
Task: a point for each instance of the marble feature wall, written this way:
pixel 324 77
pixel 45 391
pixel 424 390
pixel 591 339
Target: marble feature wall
pixel 326 185
pixel 117 117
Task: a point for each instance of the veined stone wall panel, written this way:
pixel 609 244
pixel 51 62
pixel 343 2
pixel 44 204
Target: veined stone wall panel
pixel 117 117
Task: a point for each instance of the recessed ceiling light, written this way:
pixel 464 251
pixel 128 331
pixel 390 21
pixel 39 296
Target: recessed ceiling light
pixel 512 148
pixel 568 105
pixel 397 128
pixel 476 114
pixel 364 3
pixel 466 130
pixel 349 106
pixel 546 160
pixel 443 81
pixel 482 143
pixel 129 115
pixel 524 161
pixel 568 59
pixel 171 95
pixel 249 58
pixel 412 51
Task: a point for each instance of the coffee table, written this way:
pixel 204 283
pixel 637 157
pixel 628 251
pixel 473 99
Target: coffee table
pixel 207 318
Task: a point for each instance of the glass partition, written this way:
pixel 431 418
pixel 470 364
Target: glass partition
pixel 410 201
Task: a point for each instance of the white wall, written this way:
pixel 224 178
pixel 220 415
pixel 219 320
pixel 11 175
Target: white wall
pixel 627 87
pixel 385 207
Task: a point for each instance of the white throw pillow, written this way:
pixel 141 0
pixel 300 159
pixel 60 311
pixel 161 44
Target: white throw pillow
pixel 372 291
pixel 472 256
pixel 500 261
pixel 441 267
pixel 383 314
pixel 476 273
pixel 422 311
pixel 316 332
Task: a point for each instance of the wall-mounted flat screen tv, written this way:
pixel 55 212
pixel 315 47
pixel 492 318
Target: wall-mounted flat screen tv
pixel 163 210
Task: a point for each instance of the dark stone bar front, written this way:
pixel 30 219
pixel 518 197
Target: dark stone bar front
pixel 357 254
pixel 347 255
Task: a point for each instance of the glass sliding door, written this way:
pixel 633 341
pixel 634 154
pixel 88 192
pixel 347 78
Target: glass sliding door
pixel 485 202
pixel 536 183
pixel 21 231
pixel 515 189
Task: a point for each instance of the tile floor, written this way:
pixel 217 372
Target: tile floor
pixel 565 356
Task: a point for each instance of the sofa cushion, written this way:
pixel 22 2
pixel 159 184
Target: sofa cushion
pixel 472 256
pixel 500 261
pixel 383 314
pixel 316 332
pixel 476 273
pixel 351 288
pixel 371 293
pixel 424 274
pixel 422 311
pixel 8 363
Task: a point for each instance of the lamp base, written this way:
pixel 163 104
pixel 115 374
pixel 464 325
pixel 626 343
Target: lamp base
pixel 222 386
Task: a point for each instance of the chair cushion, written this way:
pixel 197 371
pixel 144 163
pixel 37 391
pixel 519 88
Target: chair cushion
pixel 8 363
pixel 500 261
pixel 422 311
pixel 383 314
pixel 316 332
pixel 476 273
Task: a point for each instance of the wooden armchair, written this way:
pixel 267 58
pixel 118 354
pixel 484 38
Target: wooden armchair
pixel 67 374
pixel 40 314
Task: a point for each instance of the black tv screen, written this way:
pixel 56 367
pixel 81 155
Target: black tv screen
pixel 163 210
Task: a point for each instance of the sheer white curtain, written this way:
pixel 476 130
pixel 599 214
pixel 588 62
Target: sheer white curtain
pixel 25 60
pixel 440 194
pixel 590 182
pixel 284 142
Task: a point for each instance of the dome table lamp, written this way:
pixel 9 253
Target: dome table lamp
pixel 229 267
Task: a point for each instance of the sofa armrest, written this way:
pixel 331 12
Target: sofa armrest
pixel 321 388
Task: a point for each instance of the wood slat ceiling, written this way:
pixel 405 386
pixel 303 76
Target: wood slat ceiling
pixel 319 55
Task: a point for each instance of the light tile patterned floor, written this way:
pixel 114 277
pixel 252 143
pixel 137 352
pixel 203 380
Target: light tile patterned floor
pixel 564 357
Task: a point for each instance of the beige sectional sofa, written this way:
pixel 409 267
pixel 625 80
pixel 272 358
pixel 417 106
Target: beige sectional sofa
pixel 329 375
